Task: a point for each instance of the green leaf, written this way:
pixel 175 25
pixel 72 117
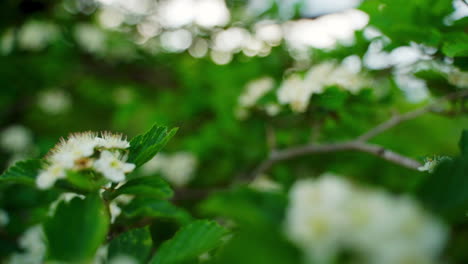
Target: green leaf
pixel 23 172
pixel 190 242
pixel 154 208
pixel 135 243
pixel 77 229
pixel 144 147
pixel 151 187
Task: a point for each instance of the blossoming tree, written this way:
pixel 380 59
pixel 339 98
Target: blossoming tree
pixel 316 132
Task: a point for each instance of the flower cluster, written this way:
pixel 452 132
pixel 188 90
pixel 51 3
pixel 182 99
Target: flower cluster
pixel 329 215
pixel 104 154
pixel 177 168
pixel 296 90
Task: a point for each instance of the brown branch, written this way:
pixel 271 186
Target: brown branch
pixel 356 145
pixel 360 144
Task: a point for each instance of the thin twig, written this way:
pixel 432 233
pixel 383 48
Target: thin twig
pixel 356 145
pixel 360 143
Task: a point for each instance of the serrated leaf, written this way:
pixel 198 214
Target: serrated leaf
pixel 145 146
pixel 77 229
pixel 190 242
pixel 154 208
pixel 23 172
pixel 135 243
pixel 151 187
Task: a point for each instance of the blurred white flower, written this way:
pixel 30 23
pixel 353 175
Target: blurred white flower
pixel 177 168
pixel 199 48
pixel 33 244
pixel 269 32
pixel 230 40
pixel 254 90
pixel 272 109
pixel 54 102
pixel 325 31
pixel 101 255
pixel 177 40
pixel 112 167
pixel 36 35
pixel 91 38
pixel 16 138
pixel 4 218
pixel 265 184
pixel 211 13
pixel 297 91
pixel 221 57
pixel 458 78
pixel 123 259
pixel 114 206
pixel 328 215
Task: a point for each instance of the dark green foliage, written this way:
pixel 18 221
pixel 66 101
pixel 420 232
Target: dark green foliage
pixel 190 242
pixel 150 187
pixel 135 243
pixel 144 147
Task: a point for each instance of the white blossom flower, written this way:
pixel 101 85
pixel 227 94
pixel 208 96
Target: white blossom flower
pixel 78 146
pixel 49 176
pixel 329 215
pixel 112 141
pixel 431 163
pixel 86 150
pixel 32 242
pixel 112 167
pixel 4 218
